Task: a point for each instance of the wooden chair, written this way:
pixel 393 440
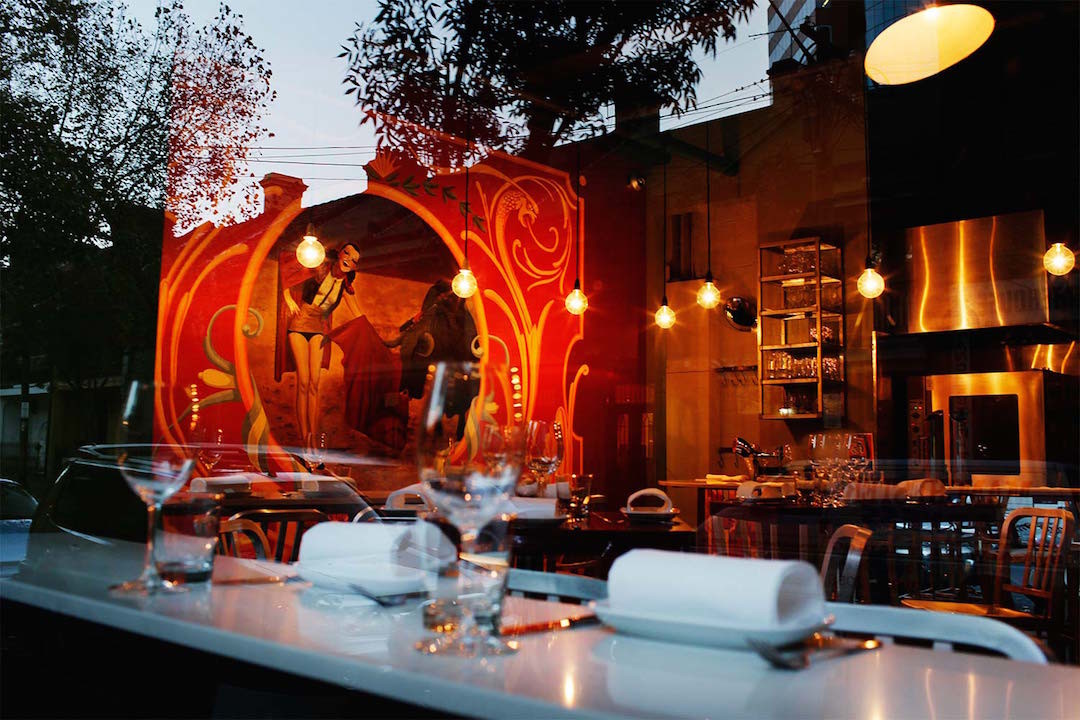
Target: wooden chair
pixel 840 574
pixel 1043 561
pixel 284 527
pixel 234 532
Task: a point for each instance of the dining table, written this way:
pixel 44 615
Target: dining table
pixel 297 636
pixel 590 545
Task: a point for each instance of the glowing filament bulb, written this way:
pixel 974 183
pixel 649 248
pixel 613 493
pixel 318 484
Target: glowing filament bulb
pixel 464 283
pixel 1059 260
pixel 310 252
pixel 871 284
pixel 576 302
pixel 708 295
pixel 665 316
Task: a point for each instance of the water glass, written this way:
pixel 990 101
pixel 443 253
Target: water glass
pixel 580 487
pixel 186 537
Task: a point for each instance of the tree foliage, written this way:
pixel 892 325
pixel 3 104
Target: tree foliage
pixel 106 125
pixel 526 75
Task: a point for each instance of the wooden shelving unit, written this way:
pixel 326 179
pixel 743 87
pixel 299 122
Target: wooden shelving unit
pixel 800 329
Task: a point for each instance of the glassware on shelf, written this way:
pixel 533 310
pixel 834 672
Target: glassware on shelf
pixel 469 467
pixel 154 471
pixel 827 333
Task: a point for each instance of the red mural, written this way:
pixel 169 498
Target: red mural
pixel 219 346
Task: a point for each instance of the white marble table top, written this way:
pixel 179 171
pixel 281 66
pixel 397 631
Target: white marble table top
pixel 582 672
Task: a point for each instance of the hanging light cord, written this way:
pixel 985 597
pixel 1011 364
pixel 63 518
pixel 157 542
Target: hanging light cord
pixel 663 260
pixel 708 207
pixel 468 145
pixel 577 222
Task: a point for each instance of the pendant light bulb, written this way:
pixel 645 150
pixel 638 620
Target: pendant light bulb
pixel 464 283
pixel 576 302
pixel 665 316
pixel 310 252
pixel 1059 260
pixel 708 295
pixel 871 284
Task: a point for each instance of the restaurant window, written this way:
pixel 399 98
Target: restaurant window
pixel 544 285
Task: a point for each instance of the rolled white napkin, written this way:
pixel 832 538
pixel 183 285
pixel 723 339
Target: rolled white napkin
pixel 525 507
pixel 711 589
pixel 922 488
pixel 414 544
pixel 710 477
pixel 237 482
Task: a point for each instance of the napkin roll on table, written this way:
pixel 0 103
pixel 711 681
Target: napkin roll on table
pixel 420 545
pixel 714 589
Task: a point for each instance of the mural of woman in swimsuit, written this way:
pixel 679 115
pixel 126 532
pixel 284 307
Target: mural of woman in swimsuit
pixel 308 302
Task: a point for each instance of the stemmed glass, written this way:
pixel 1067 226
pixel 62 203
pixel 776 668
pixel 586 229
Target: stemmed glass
pixel 314 457
pixel 544 451
pixel 470 452
pixel 209 443
pixel 154 471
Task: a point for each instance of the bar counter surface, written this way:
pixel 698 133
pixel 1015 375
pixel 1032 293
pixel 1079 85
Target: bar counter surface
pixel 582 672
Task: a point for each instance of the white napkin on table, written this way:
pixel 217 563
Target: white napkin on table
pixel 713 589
pixel 418 544
pixel 237 482
pixel 525 507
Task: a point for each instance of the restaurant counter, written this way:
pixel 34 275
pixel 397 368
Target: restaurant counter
pixel 581 672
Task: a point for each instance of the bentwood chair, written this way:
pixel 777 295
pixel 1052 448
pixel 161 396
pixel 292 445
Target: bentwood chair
pixel 1041 564
pixel 942 631
pixel 841 573
pixel 235 534
pixel 283 528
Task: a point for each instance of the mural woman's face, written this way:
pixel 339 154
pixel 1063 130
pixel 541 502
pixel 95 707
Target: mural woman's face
pixel 348 259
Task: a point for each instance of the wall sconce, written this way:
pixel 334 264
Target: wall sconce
pixel 636 181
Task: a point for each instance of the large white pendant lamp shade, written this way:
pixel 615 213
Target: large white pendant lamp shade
pixel 926 42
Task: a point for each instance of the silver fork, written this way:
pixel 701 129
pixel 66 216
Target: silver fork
pixel 820 647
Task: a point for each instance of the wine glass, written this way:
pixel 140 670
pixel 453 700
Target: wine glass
pixel 544 451
pixel 470 452
pixel 210 444
pixel 314 457
pixel 153 470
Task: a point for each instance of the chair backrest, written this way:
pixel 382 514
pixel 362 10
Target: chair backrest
pixel 558 587
pixel 1049 535
pixel 841 573
pixel 284 527
pixel 232 531
pixel 893 624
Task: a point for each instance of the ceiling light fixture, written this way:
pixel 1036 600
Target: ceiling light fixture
pixel 924 43
pixel 708 296
pixel 310 252
pixel 665 316
pixel 576 302
pixel 464 283
pixel 1059 259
